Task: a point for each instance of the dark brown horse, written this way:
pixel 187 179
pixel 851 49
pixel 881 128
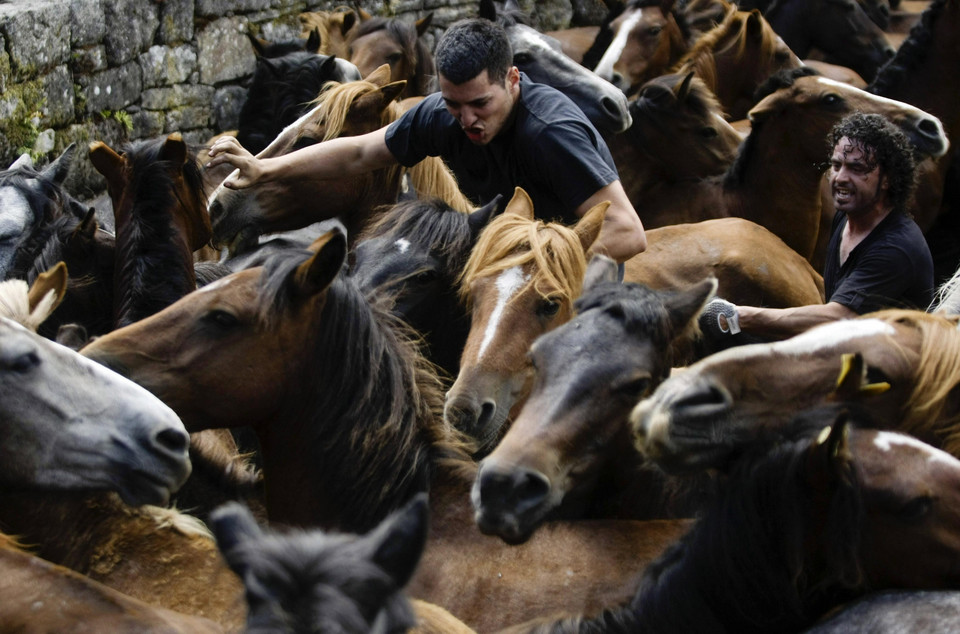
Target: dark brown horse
pixel 398 43
pixel 299 326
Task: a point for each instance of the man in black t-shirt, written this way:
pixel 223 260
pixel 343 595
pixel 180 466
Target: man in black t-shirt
pixel 877 257
pixel 494 128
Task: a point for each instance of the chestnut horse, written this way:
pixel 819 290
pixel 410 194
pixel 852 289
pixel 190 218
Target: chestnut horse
pixel 800 528
pixel 735 57
pixel 333 27
pixel 568 453
pixel 901 364
pixel 523 276
pixel 342 110
pixel 398 43
pixel 362 435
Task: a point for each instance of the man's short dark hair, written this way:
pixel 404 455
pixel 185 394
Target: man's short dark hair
pixel 883 144
pixel 469 47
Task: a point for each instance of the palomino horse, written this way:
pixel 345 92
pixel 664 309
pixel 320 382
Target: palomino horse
pixel 540 57
pixel 775 180
pixel 523 276
pixel 414 255
pixel 299 326
pixel 840 29
pixel 160 217
pixel 735 57
pixel 800 528
pixel 902 365
pixel 282 89
pixel 398 43
pixel 568 453
pixel 311 581
pixel 646 41
pixel 342 110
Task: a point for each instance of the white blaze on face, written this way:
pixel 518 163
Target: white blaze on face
pixel 403 245
pixel 508 283
pixel 612 55
pixel 221 283
pixel 885 440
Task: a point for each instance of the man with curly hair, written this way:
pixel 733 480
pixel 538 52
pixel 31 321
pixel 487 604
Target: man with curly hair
pixel 877 257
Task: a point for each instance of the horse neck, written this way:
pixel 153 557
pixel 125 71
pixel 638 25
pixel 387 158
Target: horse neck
pixel 154 260
pixel 790 19
pixel 777 189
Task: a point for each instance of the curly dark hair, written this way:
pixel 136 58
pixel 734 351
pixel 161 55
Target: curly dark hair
pixel 469 47
pixel 883 144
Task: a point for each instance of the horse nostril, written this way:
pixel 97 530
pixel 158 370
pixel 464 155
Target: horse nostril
pixel 709 395
pixel 516 490
pixel 532 489
pixel 215 209
pixel 487 410
pixel 929 127
pixel 172 439
pixel 610 106
pixel 889 53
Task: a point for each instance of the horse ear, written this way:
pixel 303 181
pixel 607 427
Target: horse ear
pixel 174 149
pixel 488 10
pixel 392 91
pixel 106 161
pixel 755 24
pixel 317 273
pixel 601 268
pixel 349 21
pixel 684 306
pixel 397 543
pixel 313 41
pixel 423 24
pixel 363 15
pixel 520 204
pixel 380 75
pixel 478 218
pixel 23 161
pixel 683 90
pixel 53 280
pixel 829 457
pixel 233 524
pixel 259 46
pixel 88 226
pixel 57 171
pixel 588 227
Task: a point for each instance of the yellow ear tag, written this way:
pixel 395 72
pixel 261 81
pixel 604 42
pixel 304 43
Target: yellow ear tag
pixel 824 434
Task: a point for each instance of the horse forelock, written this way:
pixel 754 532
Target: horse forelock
pixel 512 241
pixel 378 415
pixel 433 225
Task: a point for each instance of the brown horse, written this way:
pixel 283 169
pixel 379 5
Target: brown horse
pixel 775 180
pixel 646 41
pixel 342 110
pixel 398 43
pixel 735 57
pixel 798 529
pixel 523 276
pixel 568 453
pixel 902 365
pixel 333 27
pixel 295 351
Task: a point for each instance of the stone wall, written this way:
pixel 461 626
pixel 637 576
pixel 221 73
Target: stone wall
pixel 118 70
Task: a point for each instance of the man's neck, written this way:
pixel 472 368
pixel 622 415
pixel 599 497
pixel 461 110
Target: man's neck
pixel 862 224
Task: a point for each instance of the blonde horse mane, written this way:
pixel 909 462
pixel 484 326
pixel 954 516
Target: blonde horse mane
pixel 430 177
pixel 937 375
pixel 729 35
pixel 510 240
pixel 15 304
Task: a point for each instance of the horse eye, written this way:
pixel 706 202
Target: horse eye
pixel 24 363
pixel 424 277
pixel 548 308
pixel 830 99
pixel 635 387
pixel 916 508
pixel 654 30
pixel 393 58
pixel 708 132
pixel 221 319
pixel 521 58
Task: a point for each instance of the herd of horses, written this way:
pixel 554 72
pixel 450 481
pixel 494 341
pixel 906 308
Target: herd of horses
pixel 369 405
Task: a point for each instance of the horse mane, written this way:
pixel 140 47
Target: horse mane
pixel 937 375
pixel 15 304
pixel 147 246
pixel 383 444
pixel 429 177
pixel 783 78
pixel 430 221
pixel 947 297
pixel 510 240
pixel 912 52
pixel 701 58
pixel 417 55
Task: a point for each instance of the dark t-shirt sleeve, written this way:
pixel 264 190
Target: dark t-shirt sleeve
pixel 571 163
pixel 882 273
pixel 417 133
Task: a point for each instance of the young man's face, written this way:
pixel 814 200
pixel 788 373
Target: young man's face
pixel 856 183
pixel 480 106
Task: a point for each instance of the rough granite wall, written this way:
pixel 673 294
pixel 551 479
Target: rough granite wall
pixel 118 70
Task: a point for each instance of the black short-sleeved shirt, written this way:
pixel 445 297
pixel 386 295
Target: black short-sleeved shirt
pixel 550 149
pixel 891 268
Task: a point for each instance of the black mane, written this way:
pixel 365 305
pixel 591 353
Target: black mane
pixel 911 54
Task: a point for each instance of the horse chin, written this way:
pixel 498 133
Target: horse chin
pixel 508 527
pixel 145 490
